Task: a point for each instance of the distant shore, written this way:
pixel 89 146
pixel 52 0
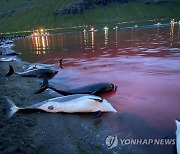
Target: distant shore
pixel 28 16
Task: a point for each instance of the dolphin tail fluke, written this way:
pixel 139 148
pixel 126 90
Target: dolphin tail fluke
pixel 11 108
pixel 44 86
pixel 11 71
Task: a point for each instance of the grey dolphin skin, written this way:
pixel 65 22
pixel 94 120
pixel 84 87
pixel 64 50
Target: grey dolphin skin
pixel 12 53
pixel 40 66
pixel 48 73
pixel 69 104
pixel 94 89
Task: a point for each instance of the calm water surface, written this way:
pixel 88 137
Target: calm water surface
pixel 143 63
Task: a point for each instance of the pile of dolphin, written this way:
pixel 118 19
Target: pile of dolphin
pixel 8 42
pixel 82 99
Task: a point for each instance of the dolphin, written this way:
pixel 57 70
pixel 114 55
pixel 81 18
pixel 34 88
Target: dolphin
pixel 94 89
pixel 78 103
pixel 12 53
pixel 34 73
pixel 41 66
pixel 7 59
pixel 178 136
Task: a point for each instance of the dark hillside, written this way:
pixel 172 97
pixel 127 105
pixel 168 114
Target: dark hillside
pixel 24 15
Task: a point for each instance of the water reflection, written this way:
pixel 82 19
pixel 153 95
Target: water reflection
pixel 61 40
pixel 106 37
pixel 92 41
pixel 116 42
pixel 142 42
pixel 40 44
pixel 158 31
pixel 171 34
pixel 85 37
pixel 179 31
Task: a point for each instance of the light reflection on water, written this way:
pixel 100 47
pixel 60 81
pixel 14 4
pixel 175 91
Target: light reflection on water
pixel 144 63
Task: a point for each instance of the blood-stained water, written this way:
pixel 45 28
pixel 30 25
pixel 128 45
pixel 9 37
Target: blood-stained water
pixel 143 63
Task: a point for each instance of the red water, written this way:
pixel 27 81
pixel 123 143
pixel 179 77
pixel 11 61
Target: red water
pixel 143 63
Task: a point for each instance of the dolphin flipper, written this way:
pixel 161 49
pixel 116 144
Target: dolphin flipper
pixel 44 86
pixel 97 114
pixel 45 81
pixel 11 71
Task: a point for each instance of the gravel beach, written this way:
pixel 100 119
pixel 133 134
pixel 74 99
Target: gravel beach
pixel 40 132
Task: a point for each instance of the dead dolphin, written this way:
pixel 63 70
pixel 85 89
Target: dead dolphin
pixel 70 104
pixel 48 73
pixel 12 53
pixel 6 59
pixel 41 66
pixel 94 89
pixel 178 136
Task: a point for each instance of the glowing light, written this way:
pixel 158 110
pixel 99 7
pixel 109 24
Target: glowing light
pixel 92 41
pixel 172 21
pixel 105 28
pixel 93 30
pixel 115 28
pixel 158 24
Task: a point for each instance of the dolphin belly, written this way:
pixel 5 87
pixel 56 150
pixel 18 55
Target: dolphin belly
pixel 77 105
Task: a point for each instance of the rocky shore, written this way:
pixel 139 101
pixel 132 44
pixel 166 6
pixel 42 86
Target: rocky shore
pixel 15 132
pixel 47 133
pixel 39 132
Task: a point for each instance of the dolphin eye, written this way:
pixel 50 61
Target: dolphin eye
pixel 51 107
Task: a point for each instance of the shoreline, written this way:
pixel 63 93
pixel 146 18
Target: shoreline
pixel 100 27
pixel 20 90
pixel 39 132
pixel 99 15
pixel 31 132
